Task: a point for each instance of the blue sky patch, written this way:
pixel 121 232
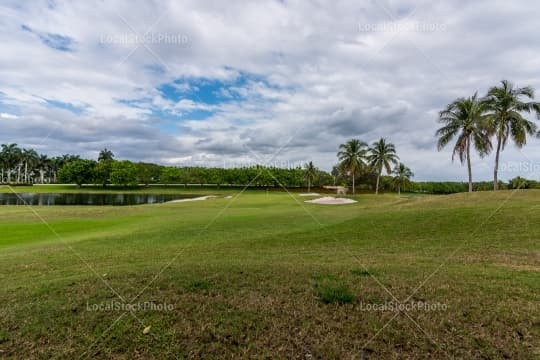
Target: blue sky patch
pixel 66 106
pixel 54 41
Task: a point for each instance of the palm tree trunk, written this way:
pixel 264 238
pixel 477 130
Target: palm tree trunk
pixel 469 163
pixel 353 189
pixel 26 172
pixel 308 185
pixel 399 189
pixel 495 172
pixel 377 185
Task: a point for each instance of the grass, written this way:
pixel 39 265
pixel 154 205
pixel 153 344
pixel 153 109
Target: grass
pixel 265 275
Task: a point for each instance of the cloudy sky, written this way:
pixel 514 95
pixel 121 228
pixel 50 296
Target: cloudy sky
pixel 227 83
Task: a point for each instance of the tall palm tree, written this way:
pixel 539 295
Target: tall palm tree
pixel 506 105
pixel 352 157
pixel 465 118
pixel 310 173
pixel 382 155
pixel 402 176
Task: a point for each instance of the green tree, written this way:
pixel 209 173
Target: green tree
pixel 505 120
pixel 148 173
pixel 351 156
pixel 103 172
pixel 466 119
pixel 78 172
pixel 402 177
pixel 518 183
pixel 124 173
pixel 382 155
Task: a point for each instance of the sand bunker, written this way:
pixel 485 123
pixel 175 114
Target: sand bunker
pixel 329 200
pixel 201 198
pixel 310 194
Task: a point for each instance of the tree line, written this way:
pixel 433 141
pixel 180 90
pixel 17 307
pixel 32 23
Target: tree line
pixel 19 165
pixel 363 170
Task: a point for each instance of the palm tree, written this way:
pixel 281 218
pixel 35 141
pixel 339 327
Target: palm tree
pixel 402 176
pixel 352 155
pixel 2 166
pixel 382 155
pixel 43 164
pixel 105 155
pixel 466 119
pixel 29 157
pixel 11 154
pixel 505 108
pixel 310 173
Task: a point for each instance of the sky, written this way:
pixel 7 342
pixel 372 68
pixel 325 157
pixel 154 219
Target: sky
pixel 231 83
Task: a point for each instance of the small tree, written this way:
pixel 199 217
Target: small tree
pixel 519 183
pixel 310 173
pixel 78 172
pixel 402 177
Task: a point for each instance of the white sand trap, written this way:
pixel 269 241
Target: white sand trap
pixel 310 194
pixel 330 200
pixel 201 198
pixel 228 197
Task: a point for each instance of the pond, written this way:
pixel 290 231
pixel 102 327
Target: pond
pixel 49 199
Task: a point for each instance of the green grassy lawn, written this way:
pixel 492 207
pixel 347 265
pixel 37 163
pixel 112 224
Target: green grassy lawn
pixel 263 275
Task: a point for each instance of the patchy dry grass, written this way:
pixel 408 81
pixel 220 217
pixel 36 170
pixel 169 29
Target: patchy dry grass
pixel 264 280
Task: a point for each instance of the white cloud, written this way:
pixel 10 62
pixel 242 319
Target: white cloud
pixel 8 116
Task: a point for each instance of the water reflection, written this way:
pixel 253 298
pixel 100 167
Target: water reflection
pixel 49 199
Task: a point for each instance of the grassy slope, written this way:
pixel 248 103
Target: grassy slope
pixel 246 272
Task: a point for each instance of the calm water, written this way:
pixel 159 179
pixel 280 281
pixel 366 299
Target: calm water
pixel 48 199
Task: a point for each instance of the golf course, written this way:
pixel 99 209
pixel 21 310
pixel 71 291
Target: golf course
pixel 263 274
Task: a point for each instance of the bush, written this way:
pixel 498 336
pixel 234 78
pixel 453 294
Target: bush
pixel 331 291
pixel 198 285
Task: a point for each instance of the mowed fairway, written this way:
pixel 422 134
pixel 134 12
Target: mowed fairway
pixel 267 276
